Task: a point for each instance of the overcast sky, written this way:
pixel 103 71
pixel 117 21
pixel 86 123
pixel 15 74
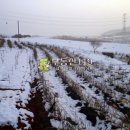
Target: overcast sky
pixel 62 17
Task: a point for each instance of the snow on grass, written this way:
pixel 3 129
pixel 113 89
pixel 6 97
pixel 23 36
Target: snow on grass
pixel 84 48
pixel 106 47
pixel 89 93
pixel 80 48
pixel 67 102
pixel 64 101
pixel 14 86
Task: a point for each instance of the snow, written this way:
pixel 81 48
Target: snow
pixel 88 93
pixel 84 48
pixel 14 86
pixel 65 103
pixel 56 123
pixel 107 47
pixel 8 113
pixel 16 73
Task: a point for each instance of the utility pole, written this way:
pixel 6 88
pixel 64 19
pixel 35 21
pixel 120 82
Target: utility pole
pixel 18 30
pixel 124 22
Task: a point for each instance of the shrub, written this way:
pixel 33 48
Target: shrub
pixel 9 44
pixel 95 43
pixel 18 45
pixel 2 42
pixel 109 54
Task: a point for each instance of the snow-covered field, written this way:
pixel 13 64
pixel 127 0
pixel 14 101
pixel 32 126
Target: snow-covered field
pixel 85 48
pixel 97 98
pixel 107 47
pixel 14 85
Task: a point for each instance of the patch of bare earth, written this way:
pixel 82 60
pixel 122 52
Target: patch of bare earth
pixel 6 128
pixel 41 119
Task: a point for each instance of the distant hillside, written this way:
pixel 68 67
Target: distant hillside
pixel 118 35
pixel 67 37
pixel 117 32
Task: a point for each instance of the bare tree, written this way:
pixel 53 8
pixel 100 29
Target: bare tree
pixel 95 43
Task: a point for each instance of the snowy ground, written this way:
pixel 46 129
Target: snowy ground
pixel 107 47
pixel 18 68
pixel 91 93
pixel 14 86
pixel 85 48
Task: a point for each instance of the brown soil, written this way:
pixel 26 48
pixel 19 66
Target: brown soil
pixel 41 119
pixel 5 89
pixel 6 128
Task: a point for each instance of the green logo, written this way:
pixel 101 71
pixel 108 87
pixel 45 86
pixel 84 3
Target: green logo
pixel 43 64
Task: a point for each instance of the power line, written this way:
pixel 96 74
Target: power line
pixel 8 13
pixel 56 22
pixel 59 19
pixel 63 24
pixel 46 21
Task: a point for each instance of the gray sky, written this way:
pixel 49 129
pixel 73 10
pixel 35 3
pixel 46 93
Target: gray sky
pixel 62 17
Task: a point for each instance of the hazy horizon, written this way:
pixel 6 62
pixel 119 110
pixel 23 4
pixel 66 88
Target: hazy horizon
pixel 63 17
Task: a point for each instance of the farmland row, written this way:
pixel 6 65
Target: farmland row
pixel 105 94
